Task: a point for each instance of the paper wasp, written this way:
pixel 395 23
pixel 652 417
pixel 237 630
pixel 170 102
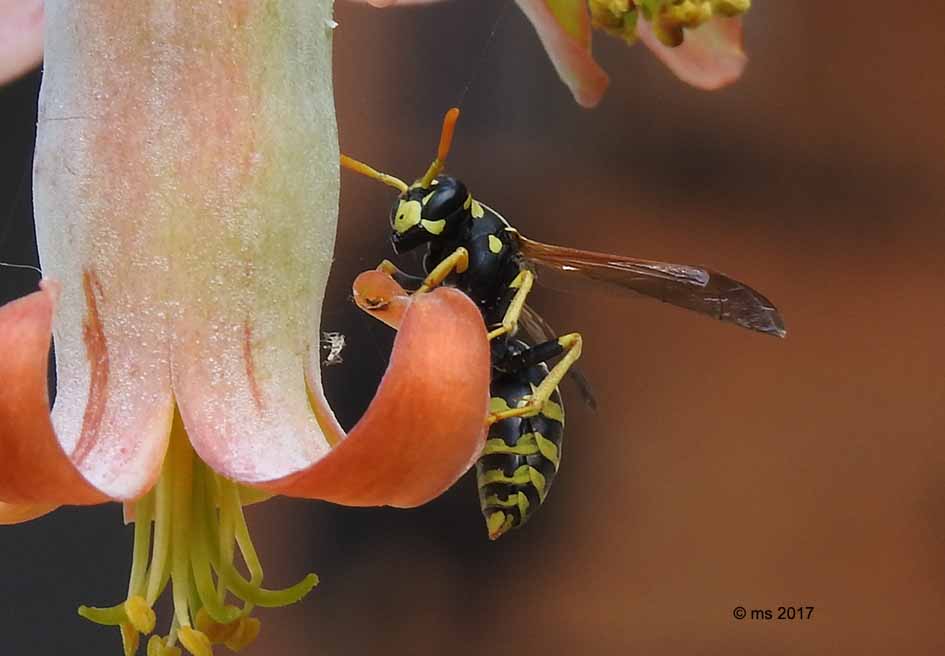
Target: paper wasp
pixel 471 246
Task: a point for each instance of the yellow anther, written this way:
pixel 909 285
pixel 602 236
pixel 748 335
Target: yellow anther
pixel 194 641
pixel 129 639
pixel 202 514
pixel 216 632
pixel 157 647
pixel 667 17
pixel 140 615
pixel 246 633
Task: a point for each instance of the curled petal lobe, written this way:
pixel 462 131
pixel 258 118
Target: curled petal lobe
pixel 36 474
pixel 14 513
pixel 425 426
pixel 564 29
pixel 380 296
pixel 710 57
pixel 21 37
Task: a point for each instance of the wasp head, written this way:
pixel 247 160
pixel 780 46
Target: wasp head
pixel 421 214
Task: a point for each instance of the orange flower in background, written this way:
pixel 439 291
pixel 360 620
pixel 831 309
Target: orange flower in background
pixel 185 211
pixel 699 40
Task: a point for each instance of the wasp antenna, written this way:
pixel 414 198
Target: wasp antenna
pixel 443 150
pixel 365 170
pixel 446 134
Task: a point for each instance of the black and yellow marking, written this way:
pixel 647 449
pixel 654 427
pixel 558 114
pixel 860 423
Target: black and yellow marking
pixel 522 284
pixel 458 261
pixel 522 454
pixel 536 403
pixel 474 248
pixel 474 207
pixel 433 227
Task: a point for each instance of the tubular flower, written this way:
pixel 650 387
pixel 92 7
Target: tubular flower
pixel 699 40
pixel 186 189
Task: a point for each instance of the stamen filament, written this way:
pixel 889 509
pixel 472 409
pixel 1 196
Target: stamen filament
pixel 226 538
pixel 198 523
pixel 181 461
pixel 144 513
pixel 200 559
pixel 159 572
pixel 110 616
pixel 264 597
pixel 247 550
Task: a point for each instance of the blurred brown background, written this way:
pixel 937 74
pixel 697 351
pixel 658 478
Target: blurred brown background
pixel 723 468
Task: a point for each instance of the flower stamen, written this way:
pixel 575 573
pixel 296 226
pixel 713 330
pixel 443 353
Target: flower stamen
pixel 198 523
pixel 668 17
pixel 157 646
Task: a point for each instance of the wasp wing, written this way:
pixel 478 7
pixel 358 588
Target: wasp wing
pixel 692 287
pixel 538 330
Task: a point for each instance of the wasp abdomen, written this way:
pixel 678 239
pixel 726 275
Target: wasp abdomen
pixel 522 454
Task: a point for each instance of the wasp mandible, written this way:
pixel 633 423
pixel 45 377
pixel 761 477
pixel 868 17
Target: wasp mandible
pixel 471 246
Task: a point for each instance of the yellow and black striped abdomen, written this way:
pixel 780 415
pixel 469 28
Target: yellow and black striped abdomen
pixel 522 454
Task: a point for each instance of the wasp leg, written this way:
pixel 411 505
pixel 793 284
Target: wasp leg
pixel 534 404
pixel 457 261
pixel 404 279
pixel 522 285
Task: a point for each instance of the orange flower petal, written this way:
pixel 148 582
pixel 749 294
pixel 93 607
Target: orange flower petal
pixel 711 57
pixel 14 513
pixel 21 37
pixel 380 296
pixel 571 56
pixel 33 467
pixel 424 428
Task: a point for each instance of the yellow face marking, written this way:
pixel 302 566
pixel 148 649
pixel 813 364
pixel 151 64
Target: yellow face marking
pixel 468 203
pixel 433 227
pixel 477 210
pixel 407 216
pixel 495 244
pixel 426 199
